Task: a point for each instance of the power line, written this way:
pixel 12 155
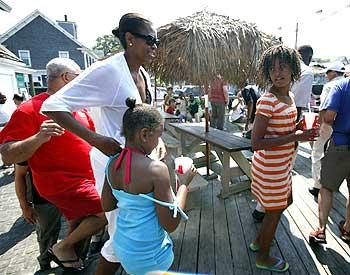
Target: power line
pixel 335 12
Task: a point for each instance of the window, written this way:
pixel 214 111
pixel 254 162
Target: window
pixel 25 56
pixel 63 54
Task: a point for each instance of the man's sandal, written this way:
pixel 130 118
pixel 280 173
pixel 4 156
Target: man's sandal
pixel 317 236
pixel 344 235
pixel 61 263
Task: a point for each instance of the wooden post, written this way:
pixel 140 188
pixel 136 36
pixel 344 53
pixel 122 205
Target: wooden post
pixel 207 146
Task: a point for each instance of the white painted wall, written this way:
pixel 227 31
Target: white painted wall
pixel 8 87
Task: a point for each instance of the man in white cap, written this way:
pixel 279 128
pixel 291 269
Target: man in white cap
pixel 334 72
pixel 347 71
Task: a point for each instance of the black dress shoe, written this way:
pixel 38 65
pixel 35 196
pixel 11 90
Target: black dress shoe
pixel 258 216
pixel 314 191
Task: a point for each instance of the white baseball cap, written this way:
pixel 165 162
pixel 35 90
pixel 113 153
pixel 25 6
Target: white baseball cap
pixel 347 68
pixel 336 66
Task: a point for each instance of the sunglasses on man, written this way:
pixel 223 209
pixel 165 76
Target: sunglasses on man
pixel 149 39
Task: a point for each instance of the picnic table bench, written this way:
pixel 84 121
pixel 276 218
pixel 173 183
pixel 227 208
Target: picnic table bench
pixel 226 145
pixel 169 118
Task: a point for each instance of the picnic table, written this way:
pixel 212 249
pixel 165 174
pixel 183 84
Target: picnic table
pixel 167 116
pixel 226 145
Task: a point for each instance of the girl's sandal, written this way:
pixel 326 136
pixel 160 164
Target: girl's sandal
pixel 276 267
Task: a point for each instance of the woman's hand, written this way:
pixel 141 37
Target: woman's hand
pixel 187 177
pixel 107 145
pixel 159 152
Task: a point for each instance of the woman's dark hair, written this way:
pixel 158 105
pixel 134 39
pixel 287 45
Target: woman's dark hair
pixel 139 116
pixel 130 22
pixel 285 55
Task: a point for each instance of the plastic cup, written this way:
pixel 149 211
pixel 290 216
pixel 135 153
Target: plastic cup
pixel 309 118
pixel 182 165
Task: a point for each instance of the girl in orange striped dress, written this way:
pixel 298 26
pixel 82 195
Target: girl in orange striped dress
pixel 273 141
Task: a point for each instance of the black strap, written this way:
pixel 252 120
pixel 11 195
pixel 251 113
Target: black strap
pixel 148 93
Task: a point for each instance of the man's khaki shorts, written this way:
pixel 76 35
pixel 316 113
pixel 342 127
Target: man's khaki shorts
pixel 335 166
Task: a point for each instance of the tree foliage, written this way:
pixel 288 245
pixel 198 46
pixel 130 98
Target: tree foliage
pixel 109 44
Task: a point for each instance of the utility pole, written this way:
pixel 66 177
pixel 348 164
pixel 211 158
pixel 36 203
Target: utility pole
pixel 297 28
pixel 296 35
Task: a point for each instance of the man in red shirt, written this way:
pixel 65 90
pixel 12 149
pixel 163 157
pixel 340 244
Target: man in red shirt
pixel 218 96
pixel 59 161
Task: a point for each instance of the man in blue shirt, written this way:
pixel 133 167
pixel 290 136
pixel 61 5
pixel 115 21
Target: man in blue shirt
pixel 335 165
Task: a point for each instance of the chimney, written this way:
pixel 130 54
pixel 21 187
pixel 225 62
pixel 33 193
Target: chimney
pixel 68 26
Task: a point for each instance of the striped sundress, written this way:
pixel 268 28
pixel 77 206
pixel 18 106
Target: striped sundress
pixel 271 168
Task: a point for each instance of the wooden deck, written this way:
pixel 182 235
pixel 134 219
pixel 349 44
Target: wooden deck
pixel 215 239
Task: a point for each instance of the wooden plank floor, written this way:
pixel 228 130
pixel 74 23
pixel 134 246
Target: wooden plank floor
pixel 215 239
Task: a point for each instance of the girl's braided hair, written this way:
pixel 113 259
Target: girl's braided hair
pixel 139 116
pixel 285 55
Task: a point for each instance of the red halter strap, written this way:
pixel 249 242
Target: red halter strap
pixel 127 153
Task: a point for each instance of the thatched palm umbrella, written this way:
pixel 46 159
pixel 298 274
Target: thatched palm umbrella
pixel 198 47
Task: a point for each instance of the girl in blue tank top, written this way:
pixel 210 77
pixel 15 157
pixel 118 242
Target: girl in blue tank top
pixel 140 188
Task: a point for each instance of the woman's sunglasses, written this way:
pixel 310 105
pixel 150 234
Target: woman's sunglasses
pixel 149 39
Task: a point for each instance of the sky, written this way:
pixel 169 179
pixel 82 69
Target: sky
pixel 324 30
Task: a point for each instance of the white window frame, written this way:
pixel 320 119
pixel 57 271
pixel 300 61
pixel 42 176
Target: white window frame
pixel 85 61
pixel 20 52
pixel 66 53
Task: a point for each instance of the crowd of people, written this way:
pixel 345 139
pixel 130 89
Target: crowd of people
pixel 90 149
pixel 187 108
pixel 240 108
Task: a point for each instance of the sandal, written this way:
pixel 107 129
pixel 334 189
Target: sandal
pixel 61 263
pixel 317 236
pixel 344 235
pixel 275 267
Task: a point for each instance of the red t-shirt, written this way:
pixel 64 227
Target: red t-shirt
pixel 61 163
pixel 217 91
pixel 170 110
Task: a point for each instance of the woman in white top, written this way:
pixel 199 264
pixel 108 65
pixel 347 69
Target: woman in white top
pixel 106 85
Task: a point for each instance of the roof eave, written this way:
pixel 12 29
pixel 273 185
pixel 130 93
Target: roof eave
pixel 18 66
pixel 5 7
pixel 29 19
